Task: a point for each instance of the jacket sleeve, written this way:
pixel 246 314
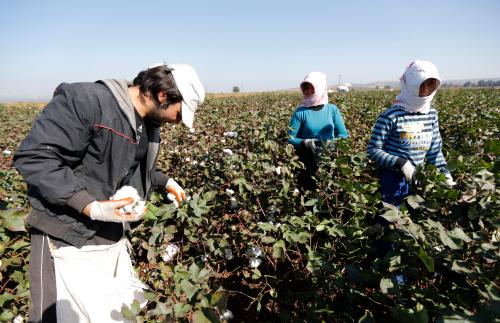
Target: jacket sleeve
pixel 435 153
pixel 159 179
pixel 55 146
pixel 293 130
pixel 340 129
pixel 376 152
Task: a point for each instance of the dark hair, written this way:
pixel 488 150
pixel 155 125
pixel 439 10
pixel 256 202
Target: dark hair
pixel 157 79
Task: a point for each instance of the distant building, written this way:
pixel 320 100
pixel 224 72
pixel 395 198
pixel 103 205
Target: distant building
pixel 343 88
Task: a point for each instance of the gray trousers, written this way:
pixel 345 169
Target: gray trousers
pixel 43 290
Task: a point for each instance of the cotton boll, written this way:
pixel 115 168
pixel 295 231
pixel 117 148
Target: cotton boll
pixel 172 198
pixel 254 262
pixel 170 252
pixel 228 254
pixel 254 252
pixel 126 191
pixel 228 151
pixel 278 170
pixel 137 207
pixel 226 315
pixel 140 207
pixel 234 203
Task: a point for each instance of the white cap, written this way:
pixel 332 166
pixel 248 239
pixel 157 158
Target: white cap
pixel 191 89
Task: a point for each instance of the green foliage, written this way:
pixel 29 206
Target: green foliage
pixel 251 243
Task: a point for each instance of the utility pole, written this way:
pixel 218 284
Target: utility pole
pixel 340 78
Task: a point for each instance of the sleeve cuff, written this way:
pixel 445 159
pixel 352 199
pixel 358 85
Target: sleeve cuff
pixel 400 162
pixel 80 200
pixel 160 179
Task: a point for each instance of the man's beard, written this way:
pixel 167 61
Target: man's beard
pixel 154 117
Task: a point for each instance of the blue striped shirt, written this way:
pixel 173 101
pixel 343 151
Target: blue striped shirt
pixel 399 136
pixel 311 123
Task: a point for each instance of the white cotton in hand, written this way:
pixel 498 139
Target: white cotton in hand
pixel 137 207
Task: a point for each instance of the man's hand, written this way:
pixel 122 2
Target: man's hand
pixel 176 193
pixel 449 180
pixel 110 211
pixel 314 145
pixel 310 144
pixel 409 171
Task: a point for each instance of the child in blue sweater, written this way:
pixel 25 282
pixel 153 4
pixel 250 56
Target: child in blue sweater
pixel 407 133
pixel 315 121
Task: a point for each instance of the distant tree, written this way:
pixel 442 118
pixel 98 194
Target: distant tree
pixel 377 87
pixel 236 89
pixel 387 87
pixel 467 84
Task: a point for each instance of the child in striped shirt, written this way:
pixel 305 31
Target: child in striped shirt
pixel 407 133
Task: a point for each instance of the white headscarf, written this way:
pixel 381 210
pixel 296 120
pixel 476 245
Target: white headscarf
pixel 416 73
pixel 320 96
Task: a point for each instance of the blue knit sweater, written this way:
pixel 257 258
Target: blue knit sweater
pixel 311 123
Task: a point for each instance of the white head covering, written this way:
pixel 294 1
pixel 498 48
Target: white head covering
pixel 192 91
pixel 415 74
pixel 320 96
pixel 189 85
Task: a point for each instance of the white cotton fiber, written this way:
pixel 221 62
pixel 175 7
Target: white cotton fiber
pixel 139 205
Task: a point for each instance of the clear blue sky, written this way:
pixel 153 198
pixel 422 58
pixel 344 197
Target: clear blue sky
pixel 260 45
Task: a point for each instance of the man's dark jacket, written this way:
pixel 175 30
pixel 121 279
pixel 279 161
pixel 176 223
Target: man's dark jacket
pixel 79 150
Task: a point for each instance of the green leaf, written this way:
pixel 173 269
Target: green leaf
pixel 218 299
pixel 266 226
pixel 200 316
pixel 18 276
pixel 461 267
pixel 181 309
pixel 417 315
pixel 447 241
pixel 6 315
pixel 13 222
pixel 188 288
pixel 311 202
pixel 314 261
pixel 392 216
pixel 267 239
pixel 458 233
pixel 415 201
pixel 279 250
pixel 6 297
pixel 149 295
pixel 426 260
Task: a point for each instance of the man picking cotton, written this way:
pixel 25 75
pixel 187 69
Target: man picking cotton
pixel 91 140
